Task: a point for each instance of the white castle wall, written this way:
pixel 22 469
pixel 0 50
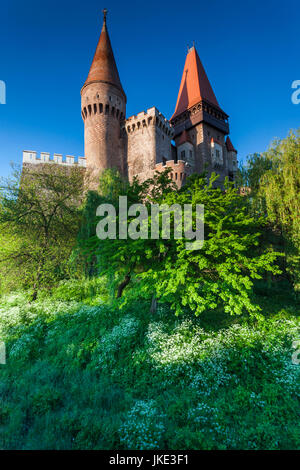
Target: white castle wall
pixel 35 159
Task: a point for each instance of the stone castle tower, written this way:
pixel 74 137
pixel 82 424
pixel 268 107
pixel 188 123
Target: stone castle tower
pixel 200 125
pixel 141 144
pixel 193 140
pixel 103 108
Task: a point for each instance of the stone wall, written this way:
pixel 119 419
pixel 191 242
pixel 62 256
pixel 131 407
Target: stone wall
pixel 179 172
pixel 148 141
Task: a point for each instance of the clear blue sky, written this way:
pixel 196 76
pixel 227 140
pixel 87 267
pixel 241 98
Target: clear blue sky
pixel 250 51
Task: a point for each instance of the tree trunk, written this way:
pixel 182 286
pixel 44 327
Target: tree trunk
pixel 123 285
pixel 153 307
pixel 37 280
pixel 35 288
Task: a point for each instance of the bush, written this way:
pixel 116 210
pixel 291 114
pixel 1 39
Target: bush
pixel 97 377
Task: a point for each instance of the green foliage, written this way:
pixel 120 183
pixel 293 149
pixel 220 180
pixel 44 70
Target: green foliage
pixel 280 190
pixel 219 274
pixel 95 377
pixel 39 221
pixel 252 172
pixel 274 179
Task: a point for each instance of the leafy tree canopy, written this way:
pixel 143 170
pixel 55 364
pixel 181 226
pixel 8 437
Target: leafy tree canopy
pixel 39 221
pixel 221 273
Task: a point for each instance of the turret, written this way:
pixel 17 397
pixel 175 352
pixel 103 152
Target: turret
pixel 200 125
pixel 103 109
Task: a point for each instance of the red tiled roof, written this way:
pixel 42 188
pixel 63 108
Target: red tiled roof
pixel 229 145
pixel 212 140
pixel 104 68
pixel 194 86
pixel 184 138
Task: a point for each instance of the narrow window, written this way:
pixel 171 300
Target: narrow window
pixel 100 108
pixel 95 108
pixel 106 108
pixel 112 111
pixel 90 109
pixel 182 155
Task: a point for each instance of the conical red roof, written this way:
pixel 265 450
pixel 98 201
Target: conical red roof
pixel 194 86
pixel 104 68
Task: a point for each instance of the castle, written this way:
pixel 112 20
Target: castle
pixel 193 140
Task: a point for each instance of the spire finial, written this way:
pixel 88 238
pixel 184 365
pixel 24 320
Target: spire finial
pixel 104 15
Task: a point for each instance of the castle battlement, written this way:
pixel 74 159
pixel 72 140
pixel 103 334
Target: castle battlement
pixel 193 140
pixel 180 165
pixel 180 170
pixel 33 158
pixel 146 118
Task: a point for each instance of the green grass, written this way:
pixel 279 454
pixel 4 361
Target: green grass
pixel 81 374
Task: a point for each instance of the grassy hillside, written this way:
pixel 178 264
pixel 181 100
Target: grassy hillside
pixel 81 374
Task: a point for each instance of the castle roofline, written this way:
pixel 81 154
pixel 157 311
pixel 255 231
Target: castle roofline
pixel 104 68
pixel 195 86
pixel 229 145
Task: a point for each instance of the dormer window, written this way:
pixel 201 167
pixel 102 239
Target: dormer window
pixel 216 153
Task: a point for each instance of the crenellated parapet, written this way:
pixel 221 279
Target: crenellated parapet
pixel 151 117
pixel 34 158
pixel 180 170
pixel 148 137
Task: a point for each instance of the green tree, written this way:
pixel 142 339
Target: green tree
pixel 251 173
pixel 221 273
pixel 280 189
pixel 39 221
pixel 118 260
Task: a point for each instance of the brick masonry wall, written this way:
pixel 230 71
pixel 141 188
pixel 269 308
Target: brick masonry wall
pixel 103 109
pixel 201 136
